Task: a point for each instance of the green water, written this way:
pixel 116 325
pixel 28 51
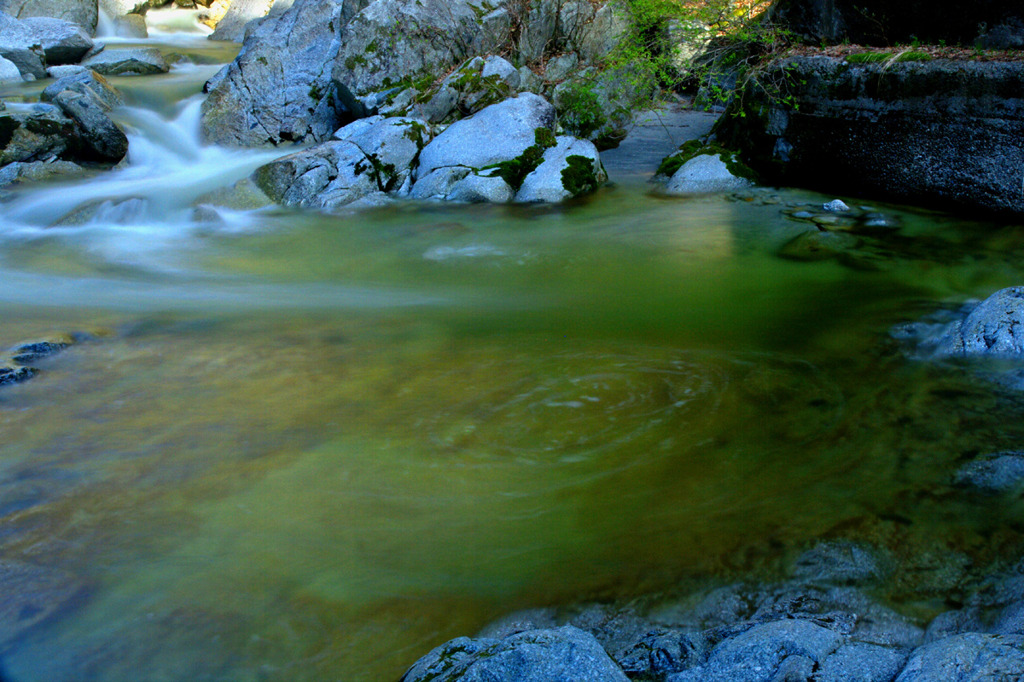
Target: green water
pixel 316 447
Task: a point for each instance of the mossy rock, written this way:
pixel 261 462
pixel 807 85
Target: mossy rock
pixel 694 148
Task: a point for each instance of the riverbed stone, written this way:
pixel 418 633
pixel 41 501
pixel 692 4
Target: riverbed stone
pixel 572 168
pixel 9 72
pixel 840 562
pixel 84 82
pixel 705 174
pixel 994 473
pixel 326 176
pixel 34 171
pixel 62 70
pixel 100 139
pixel 135 61
pixel 63 42
pixel 968 657
pixel 279 89
pixel 475 188
pixel 564 654
pixel 473 142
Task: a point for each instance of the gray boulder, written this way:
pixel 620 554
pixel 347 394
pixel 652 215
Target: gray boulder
pixel 476 188
pixel 565 654
pixel 63 42
pixel 435 35
pixel 84 82
pixel 327 176
pixel 994 473
pixel 80 12
pixel 969 657
pixel 570 169
pixel 705 174
pixel 136 61
pixel 19 45
pixel 58 72
pixel 9 72
pixel 439 183
pixel 279 89
pixel 501 132
pixel 995 328
pixel 391 145
pixel 99 137
pixel 475 85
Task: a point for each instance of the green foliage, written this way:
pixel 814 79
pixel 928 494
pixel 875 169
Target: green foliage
pixel 867 57
pixel 580 110
pixel 878 57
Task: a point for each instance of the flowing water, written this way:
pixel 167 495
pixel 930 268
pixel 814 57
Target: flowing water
pixel 307 447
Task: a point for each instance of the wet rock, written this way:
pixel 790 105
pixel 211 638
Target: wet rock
pixel 35 171
pixel 438 184
pixel 816 245
pixel 100 138
pixel 62 70
pixel 137 61
pixel 41 134
pixel 84 82
pixel 969 656
pixel 954 623
pixel 326 176
pixel 63 42
pixel 840 562
pixel 836 206
pixel 392 144
pixel 476 188
pixel 705 174
pixel 31 351
pixel 994 473
pixel 570 169
pixel 557 655
pixel 9 72
pixel 661 653
pixel 860 662
pixel 280 89
pixel 995 328
pixel 14 374
pixel 473 142
pixel 83 13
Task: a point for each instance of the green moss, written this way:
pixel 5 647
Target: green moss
pixel 579 178
pixel 914 57
pixel 372 47
pixel 354 61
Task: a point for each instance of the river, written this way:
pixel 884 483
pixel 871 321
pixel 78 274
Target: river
pixel 298 446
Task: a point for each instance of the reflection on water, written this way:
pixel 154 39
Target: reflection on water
pixel 315 447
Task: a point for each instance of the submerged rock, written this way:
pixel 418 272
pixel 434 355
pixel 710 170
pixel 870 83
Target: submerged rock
pixel 137 61
pixel 34 171
pixel 994 473
pixel 564 654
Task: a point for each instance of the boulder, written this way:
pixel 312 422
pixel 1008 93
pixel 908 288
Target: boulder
pixel 279 89
pixel 570 169
pixel 63 42
pixel 9 72
pixel 994 473
pixel 58 72
pixel 993 328
pixel 970 656
pixel 475 85
pixel 327 176
pixel 435 35
pixel 99 137
pixel 438 183
pixel 19 45
pixel 82 13
pixel 84 82
pixel 705 174
pixel 135 61
pixel 476 188
pixel 392 145
pixel 564 654
pixel 475 142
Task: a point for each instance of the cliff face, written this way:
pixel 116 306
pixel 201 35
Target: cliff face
pixel 940 132
pixel 999 23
